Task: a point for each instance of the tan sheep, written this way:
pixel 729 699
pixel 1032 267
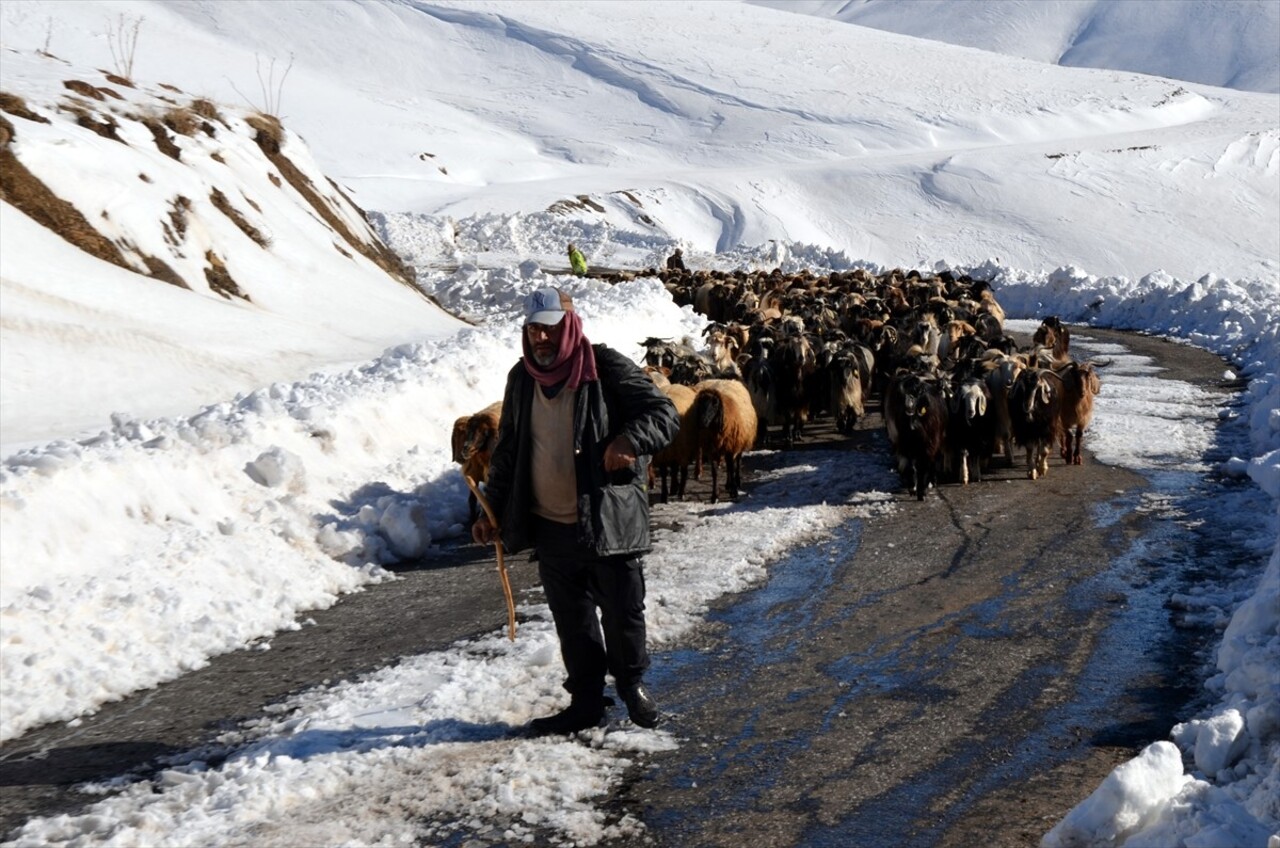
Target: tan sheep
pixel 479 437
pixel 1080 384
pixel 725 426
pixel 459 438
pixel 675 457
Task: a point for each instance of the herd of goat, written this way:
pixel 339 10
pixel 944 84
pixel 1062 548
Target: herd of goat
pixel 782 349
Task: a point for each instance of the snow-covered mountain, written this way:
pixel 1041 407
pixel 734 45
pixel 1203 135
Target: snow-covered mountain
pixel 511 131
pixel 1232 45
pixel 175 451
pixel 211 253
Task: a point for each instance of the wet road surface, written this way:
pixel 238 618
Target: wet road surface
pixel 959 672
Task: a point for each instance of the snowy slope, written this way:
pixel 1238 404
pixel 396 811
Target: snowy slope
pixel 850 139
pixel 1223 44
pixel 204 269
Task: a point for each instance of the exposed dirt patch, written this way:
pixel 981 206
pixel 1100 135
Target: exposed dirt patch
pixel 116 79
pixel 25 191
pixel 220 279
pixel 104 126
pixel 207 110
pixel 270 137
pixel 182 121
pixel 347 197
pixel 176 229
pixel 16 106
pixel 224 206
pixel 158 269
pixel 164 143
pixel 564 207
pixel 83 88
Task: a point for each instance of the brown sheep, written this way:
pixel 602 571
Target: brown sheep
pixel 725 427
pixel 987 305
pixel 952 333
pixel 1035 413
pixel 675 457
pixel 658 375
pixel 479 439
pixel 1055 335
pixel 915 411
pixel 459 438
pixel 846 389
pixel 1080 384
pixel 792 361
pixel 972 424
pixel 1002 371
pixel 723 349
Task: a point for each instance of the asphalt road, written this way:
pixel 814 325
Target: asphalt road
pixel 961 671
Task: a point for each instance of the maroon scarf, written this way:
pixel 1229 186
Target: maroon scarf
pixel 574 365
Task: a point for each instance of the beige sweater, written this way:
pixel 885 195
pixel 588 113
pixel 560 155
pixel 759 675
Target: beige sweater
pixel 555 482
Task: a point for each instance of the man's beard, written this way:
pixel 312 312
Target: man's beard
pixel 544 360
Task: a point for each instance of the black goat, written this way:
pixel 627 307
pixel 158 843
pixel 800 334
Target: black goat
pixel 1035 416
pixel 916 416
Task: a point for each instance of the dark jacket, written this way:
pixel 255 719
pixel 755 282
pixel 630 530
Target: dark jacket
pixel 613 508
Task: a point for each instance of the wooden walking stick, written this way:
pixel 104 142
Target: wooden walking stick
pixel 502 566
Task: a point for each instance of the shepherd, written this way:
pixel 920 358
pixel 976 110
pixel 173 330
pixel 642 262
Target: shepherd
pixel 577 261
pixel 568 477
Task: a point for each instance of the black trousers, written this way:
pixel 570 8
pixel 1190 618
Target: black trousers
pixel 577 583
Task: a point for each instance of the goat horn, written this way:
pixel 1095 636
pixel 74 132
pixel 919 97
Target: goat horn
pixel 502 566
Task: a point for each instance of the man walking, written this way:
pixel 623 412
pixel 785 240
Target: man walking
pixel 568 477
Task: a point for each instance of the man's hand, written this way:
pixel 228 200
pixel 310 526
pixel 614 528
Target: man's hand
pixel 619 455
pixel 482 532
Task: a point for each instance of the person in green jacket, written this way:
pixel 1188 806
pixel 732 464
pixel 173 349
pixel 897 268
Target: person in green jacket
pixel 577 261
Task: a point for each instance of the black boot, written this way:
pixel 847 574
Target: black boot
pixel 641 707
pixel 581 714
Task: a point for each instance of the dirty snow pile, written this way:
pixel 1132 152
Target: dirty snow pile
pixel 141 538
